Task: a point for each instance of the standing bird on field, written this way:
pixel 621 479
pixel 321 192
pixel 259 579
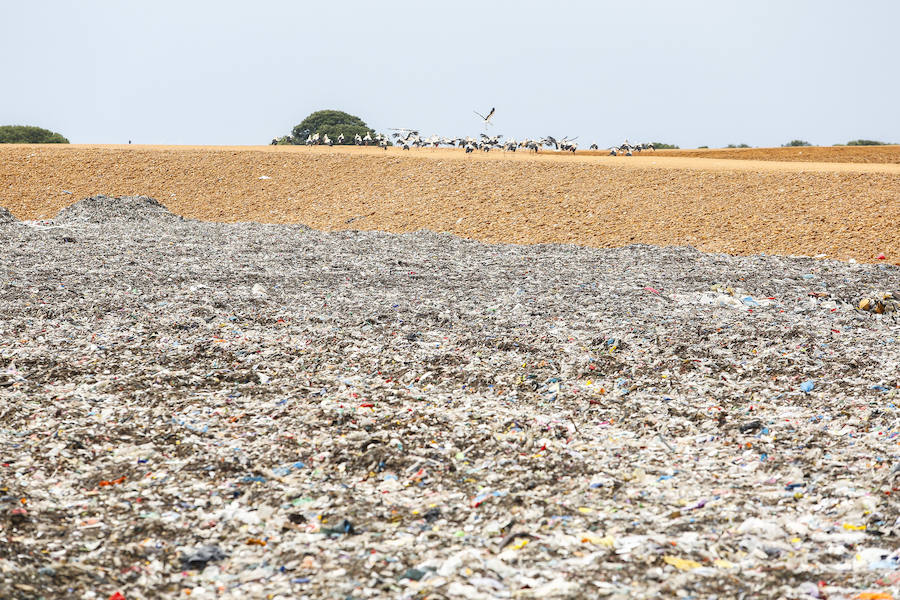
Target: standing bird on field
pixel 340 138
pixel 486 119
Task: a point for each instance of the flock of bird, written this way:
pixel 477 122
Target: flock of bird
pixel 410 138
pixel 315 139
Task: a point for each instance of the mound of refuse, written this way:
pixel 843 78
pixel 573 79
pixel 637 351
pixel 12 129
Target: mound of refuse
pixel 318 414
pixel 104 209
pixel 6 217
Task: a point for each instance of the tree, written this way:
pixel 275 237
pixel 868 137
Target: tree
pixel 27 134
pixel 333 123
pixel 737 146
pixel 794 143
pixel 865 143
pixel 662 146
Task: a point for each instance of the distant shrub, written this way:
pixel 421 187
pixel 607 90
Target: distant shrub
pixel 27 134
pixel 865 143
pixel 702 147
pixel 794 143
pixel 737 146
pixel 662 146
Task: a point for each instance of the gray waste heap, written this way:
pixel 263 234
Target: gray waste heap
pixel 106 209
pixel 6 217
pixel 258 411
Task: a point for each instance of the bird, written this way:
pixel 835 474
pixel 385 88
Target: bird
pixel 565 144
pixel 487 119
pixel 568 145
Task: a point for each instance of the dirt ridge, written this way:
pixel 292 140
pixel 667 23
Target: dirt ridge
pixel 739 207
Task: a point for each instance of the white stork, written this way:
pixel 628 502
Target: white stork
pixel 486 119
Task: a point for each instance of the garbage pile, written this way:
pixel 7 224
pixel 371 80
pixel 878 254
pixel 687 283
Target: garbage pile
pixel 105 209
pixel 6 217
pixel 261 411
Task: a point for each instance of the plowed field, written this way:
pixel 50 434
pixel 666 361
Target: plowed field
pixel 841 154
pixel 841 210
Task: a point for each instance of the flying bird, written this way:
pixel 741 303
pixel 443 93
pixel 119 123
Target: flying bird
pixel 487 119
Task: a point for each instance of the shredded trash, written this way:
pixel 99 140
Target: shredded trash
pixel 251 411
pixel 199 558
pixel 106 209
pixel 6 217
pixel 887 302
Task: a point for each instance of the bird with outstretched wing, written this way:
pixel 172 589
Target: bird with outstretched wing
pixel 485 118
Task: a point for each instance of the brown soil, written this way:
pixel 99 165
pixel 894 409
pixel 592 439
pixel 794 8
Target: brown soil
pixel 841 154
pixel 737 206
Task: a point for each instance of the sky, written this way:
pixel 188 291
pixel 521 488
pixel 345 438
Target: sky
pixel 224 72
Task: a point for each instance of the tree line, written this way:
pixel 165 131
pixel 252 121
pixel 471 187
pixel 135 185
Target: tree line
pixel 28 134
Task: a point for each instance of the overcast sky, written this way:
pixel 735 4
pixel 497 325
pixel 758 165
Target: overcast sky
pixel 222 72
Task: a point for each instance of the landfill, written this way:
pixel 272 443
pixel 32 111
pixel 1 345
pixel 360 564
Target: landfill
pixel 6 217
pixel 208 410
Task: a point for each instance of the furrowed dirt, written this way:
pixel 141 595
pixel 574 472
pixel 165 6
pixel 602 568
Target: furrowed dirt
pixel 889 154
pixel 842 210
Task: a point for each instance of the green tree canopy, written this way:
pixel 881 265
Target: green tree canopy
pixel 865 143
pixel 26 134
pixel 333 123
pixel 793 143
pixel 737 146
pixel 664 146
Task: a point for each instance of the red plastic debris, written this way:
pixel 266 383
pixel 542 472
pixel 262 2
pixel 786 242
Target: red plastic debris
pixel 105 483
